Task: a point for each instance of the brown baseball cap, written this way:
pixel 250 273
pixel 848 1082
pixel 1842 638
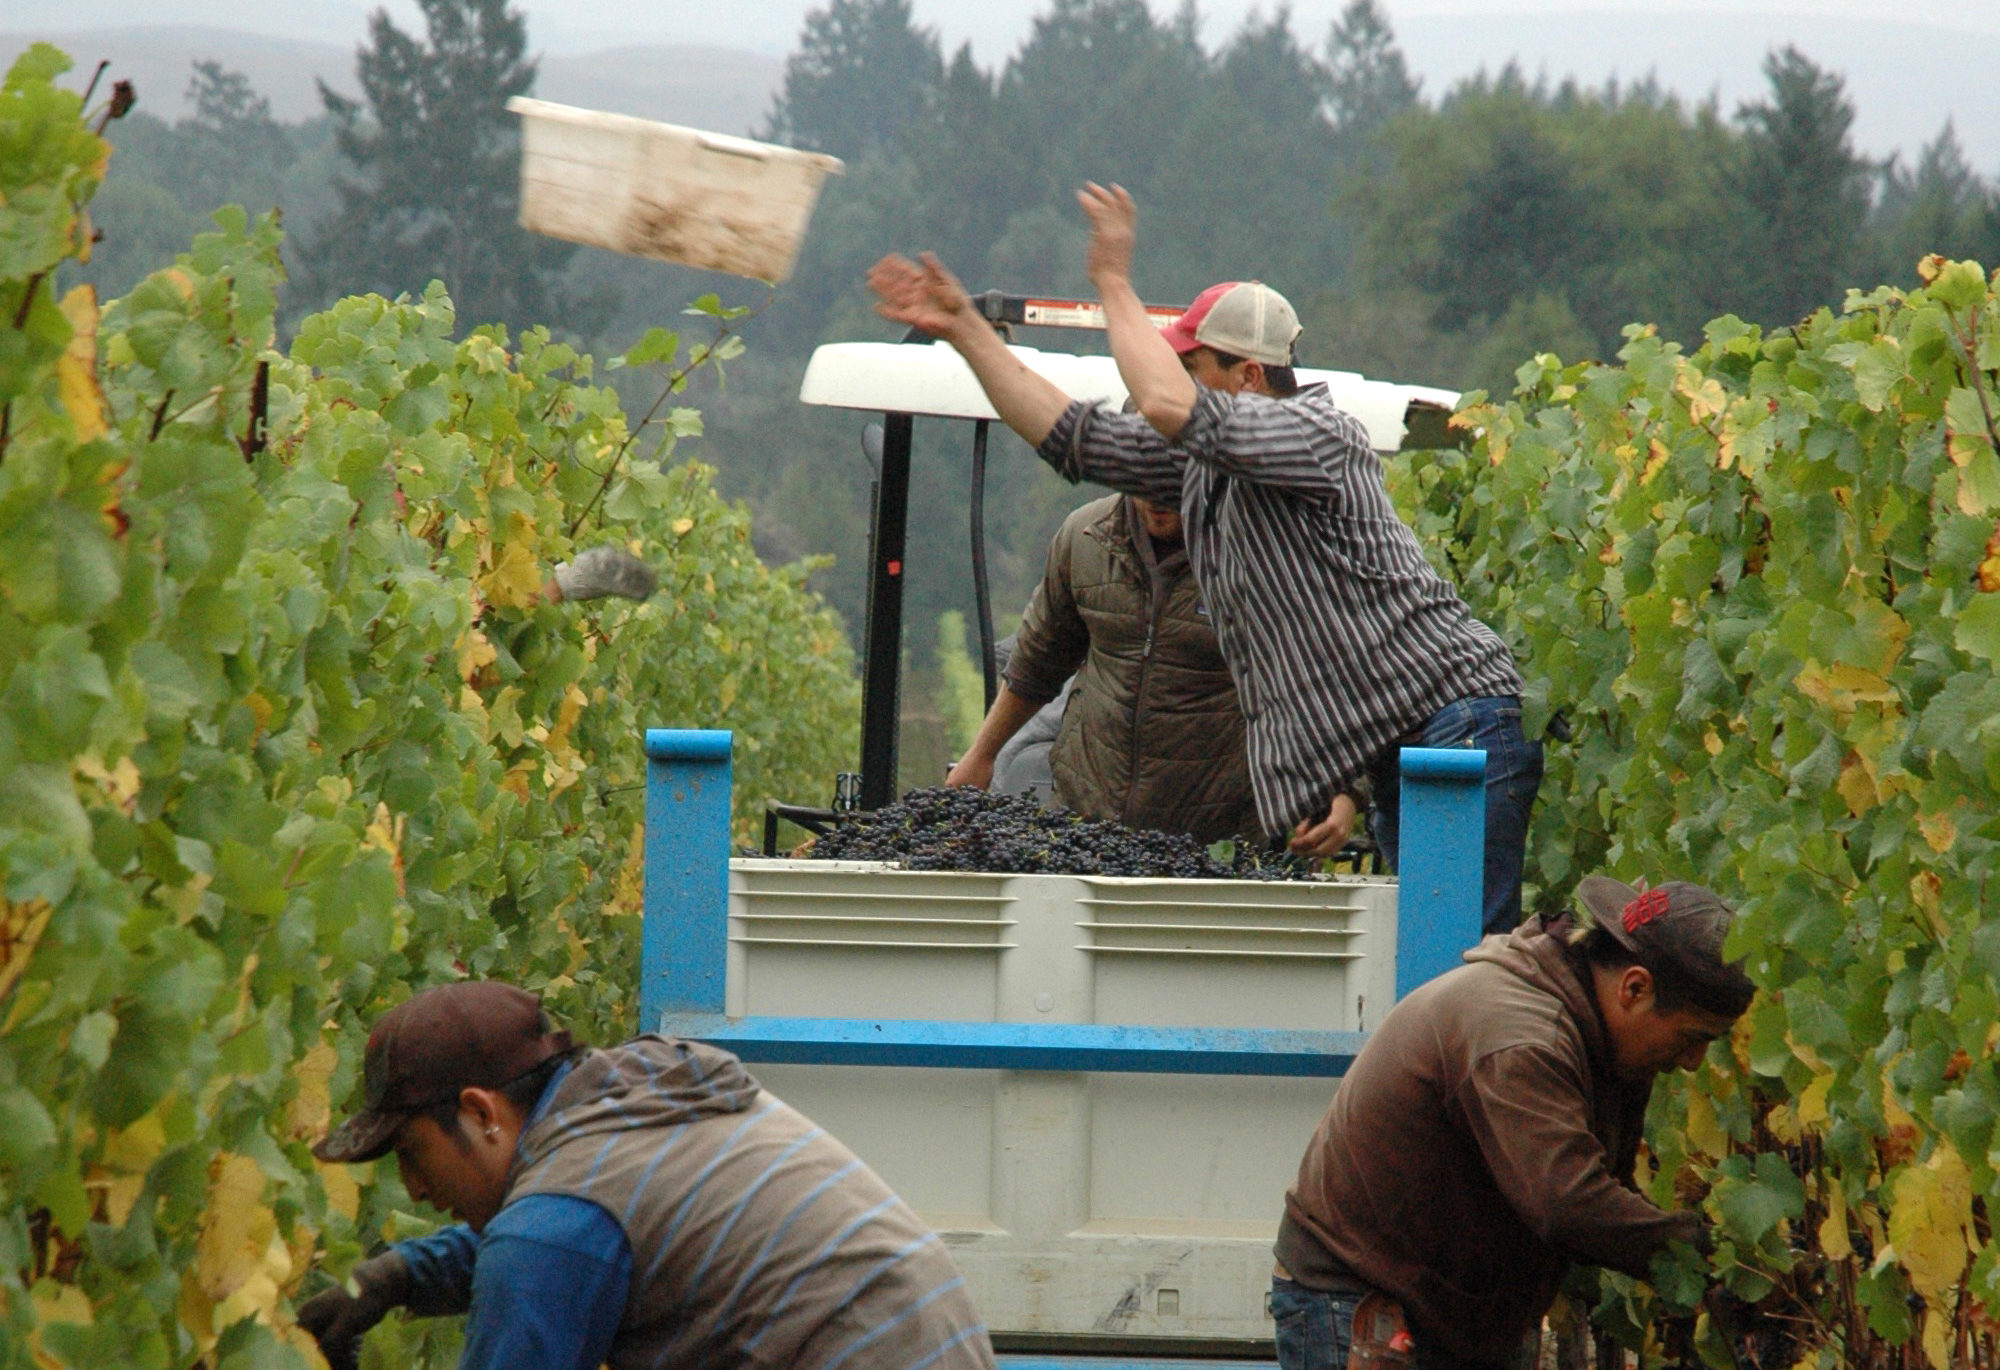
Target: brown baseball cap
pixel 1675 930
pixel 474 1034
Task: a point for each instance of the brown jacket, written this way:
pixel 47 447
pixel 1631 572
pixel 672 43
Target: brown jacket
pixel 1153 736
pixel 1479 1146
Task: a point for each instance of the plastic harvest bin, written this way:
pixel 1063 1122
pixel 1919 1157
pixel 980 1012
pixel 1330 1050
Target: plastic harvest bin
pixel 1078 1204
pixel 659 190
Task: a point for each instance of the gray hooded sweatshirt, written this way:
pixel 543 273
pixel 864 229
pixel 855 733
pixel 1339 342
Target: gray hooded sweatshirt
pixel 757 1239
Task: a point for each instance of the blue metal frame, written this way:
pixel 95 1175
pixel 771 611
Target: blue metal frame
pixel 684 944
pixel 1441 870
pixel 1039 1362
pixel 684 938
pixel 1024 1046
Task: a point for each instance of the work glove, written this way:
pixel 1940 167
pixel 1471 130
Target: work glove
pixel 338 1317
pixel 603 571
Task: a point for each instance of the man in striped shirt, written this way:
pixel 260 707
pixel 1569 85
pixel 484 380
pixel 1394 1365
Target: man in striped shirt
pixel 644 1206
pixel 1344 643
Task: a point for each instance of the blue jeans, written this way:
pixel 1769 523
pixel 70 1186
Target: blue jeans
pixel 1513 775
pixel 1316 1328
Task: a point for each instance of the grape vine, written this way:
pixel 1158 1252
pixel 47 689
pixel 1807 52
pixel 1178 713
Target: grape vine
pixel 1760 582
pixel 294 721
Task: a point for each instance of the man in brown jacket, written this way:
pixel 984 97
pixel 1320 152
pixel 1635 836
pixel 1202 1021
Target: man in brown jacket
pixel 1484 1139
pixel 1153 736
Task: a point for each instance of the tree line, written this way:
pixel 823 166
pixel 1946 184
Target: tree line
pixel 1429 238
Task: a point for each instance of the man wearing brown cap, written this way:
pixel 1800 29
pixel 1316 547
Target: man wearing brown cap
pixel 648 1205
pixel 1485 1138
pixel 1344 643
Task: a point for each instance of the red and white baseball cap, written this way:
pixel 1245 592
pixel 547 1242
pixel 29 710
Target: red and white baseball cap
pixel 1242 318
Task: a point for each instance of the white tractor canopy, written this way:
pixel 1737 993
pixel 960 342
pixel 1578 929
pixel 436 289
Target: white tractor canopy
pixel 931 380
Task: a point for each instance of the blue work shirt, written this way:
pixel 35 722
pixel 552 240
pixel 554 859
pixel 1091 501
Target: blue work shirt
pixel 544 1286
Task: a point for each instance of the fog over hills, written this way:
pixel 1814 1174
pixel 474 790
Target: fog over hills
pixel 725 90
pixel 1908 69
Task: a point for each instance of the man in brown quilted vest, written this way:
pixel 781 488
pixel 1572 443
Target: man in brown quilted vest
pixel 643 1206
pixel 1153 736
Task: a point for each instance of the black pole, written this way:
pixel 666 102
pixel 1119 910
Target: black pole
pixel 882 671
pixel 982 594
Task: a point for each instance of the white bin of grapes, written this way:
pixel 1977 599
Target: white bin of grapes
pixel 1080 1206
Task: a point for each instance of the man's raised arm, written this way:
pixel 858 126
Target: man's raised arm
pixel 924 295
pixel 1161 389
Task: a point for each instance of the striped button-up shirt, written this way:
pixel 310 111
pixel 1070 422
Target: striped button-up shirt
pixel 1339 634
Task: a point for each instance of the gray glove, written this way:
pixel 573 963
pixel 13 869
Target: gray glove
pixel 338 1317
pixel 605 571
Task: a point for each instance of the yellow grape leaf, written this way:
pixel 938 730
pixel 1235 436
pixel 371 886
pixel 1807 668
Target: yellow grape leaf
pixel 1937 1338
pixel 306 1345
pixel 1704 1130
pixel 474 708
pixel 1927 893
pixel 311 1109
pixel 1784 1124
pixel 76 369
pixel 120 1194
pixel 261 709
pixel 1930 1220
pixel 119 783
pixel 21 928
pixel 1704 394
pixel 299 1249
pixel 1834 1241
pixel 258 1296
pixel 1939 831
pixel 343 1195
pixel 1711 742
pixel 128 1155
pixel 682 526
pixel 1842 687
pixel 474 652
pixel 515 582
pixel 485 354
pixel 235 1229
pixel 506 714
pixel 197 1311
pixel 1812 1101
pixel 56 1303
pixel 385 834
pixel 1807 1056
pixel 628 892
pixel 1857 785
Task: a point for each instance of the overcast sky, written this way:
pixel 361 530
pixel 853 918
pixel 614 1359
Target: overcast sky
pixel 1910 64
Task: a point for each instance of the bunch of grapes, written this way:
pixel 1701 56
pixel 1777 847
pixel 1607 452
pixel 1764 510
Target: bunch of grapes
pixel 965 829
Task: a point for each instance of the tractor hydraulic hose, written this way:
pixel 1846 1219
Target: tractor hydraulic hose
pixel 981 593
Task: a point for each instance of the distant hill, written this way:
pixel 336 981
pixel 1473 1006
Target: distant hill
pixel 719 89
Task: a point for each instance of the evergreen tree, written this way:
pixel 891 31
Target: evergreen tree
pixel 1250 172
pixel 1095 94
pixel 863 75
pixel 1941 207
pixel 236 150
pixel 1804 192
pixel 1521 222
pixel 1367 81
pixel 437 193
